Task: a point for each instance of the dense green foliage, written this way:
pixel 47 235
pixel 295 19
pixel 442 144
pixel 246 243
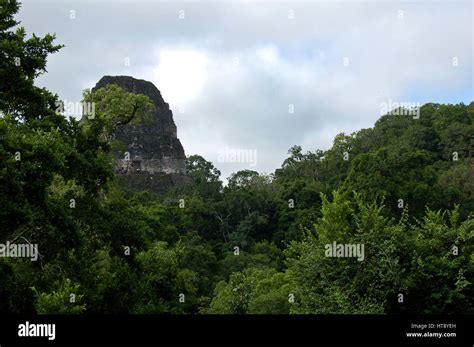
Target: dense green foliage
pixel 403 189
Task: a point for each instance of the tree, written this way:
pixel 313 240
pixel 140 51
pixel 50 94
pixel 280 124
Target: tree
pixel 23 60
pixel 253 291
pixel 67 300
pixel 403 267
pixel 202 171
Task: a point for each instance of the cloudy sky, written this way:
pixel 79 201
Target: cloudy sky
pixel 263 76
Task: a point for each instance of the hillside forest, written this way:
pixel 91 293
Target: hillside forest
pixel 401 191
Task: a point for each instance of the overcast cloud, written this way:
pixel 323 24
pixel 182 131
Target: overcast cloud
pixel 232 72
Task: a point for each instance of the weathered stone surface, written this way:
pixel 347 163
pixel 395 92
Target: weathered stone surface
pixel 157 159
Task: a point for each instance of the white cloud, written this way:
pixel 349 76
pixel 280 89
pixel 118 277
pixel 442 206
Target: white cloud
pixel 268 55
pixel 180 74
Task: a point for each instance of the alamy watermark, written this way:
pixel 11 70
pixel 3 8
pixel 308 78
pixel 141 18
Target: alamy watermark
pixel 71 108
pixel 37 330
pixel 345 250
pixel 19 250
pixel 400 108
pixel 237 155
